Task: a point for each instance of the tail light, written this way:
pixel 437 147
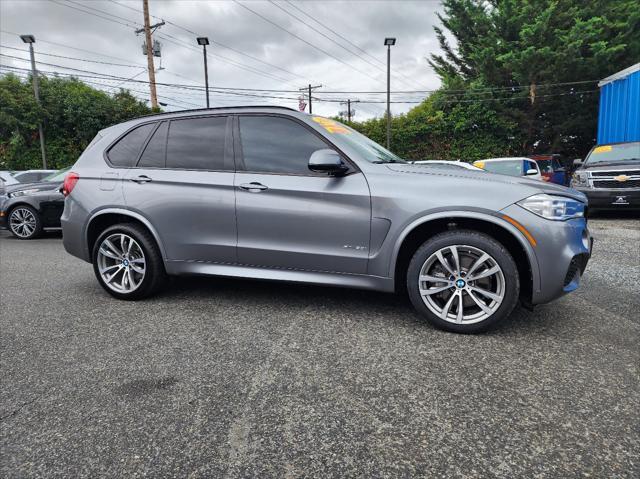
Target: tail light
pixel 69 184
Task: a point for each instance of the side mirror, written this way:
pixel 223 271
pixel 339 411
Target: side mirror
pixel 531 172
pixel 327 161
pixel 577 162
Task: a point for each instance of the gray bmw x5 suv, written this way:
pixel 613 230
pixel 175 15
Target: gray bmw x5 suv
pixel 271 193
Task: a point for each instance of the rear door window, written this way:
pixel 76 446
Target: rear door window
pixel 155 152
pixel 197 144
pixel 125 152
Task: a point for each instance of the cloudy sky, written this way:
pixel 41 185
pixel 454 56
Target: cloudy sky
pixel 256 45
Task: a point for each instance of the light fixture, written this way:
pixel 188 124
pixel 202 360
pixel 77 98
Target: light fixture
pixel 389 41
pixel 203 40
pixel 28 38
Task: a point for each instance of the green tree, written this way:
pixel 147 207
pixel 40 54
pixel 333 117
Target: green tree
pixel 506 44
pixel 72 113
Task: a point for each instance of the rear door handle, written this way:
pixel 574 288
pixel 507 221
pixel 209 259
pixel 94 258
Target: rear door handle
pixel 141 179
pixel 253 186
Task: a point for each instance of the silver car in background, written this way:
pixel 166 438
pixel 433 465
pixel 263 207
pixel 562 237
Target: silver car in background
pixel 272 193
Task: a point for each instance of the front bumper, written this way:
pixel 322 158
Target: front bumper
pixel 614 199
pixel 562 251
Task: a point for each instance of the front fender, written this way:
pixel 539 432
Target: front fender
pixel 477 214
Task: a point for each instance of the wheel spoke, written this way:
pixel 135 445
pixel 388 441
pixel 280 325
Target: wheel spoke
pixel 484 274
pixel 478 263
pixel 444 262
pixel 460 314
pixel 111 278
pixel 430 291
pixel 109 254
pixel 456 258
pixel 433 279
pixel 445 310
pixel 137 269
pixel 109 268
pixel 488 294
pixel 480 304
pixel 113 248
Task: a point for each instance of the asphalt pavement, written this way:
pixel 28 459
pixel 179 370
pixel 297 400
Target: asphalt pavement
pixel 237 378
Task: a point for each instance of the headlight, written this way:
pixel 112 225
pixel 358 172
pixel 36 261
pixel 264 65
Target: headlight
pixel 557 208
pixel 23 192
pixel 580 178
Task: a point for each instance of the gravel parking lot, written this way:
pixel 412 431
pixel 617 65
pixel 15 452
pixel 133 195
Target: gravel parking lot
pixel 233 378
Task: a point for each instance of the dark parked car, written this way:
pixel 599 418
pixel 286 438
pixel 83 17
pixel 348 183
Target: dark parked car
pixel 32 176
pixel 610 177
pixel 26 209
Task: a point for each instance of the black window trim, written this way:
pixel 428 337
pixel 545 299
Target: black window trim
pixel 239 160
pixel 229 148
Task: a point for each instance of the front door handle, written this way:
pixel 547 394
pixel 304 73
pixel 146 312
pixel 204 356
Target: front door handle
pixel 253 186
pixel 141 179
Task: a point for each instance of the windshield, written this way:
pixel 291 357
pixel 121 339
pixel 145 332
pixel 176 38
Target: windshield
pixel 511 167
pixel 367 148
pixel 546 166
pixel 57 176
pixel 614 153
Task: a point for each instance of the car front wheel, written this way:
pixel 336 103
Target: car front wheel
pixel 25 223
pixel 463 281
pixel 127 262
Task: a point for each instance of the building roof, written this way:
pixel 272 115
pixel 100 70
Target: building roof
pixel 621 74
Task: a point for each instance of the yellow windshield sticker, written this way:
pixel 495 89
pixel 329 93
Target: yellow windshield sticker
pixel 331 126
pixel 479 164
pixel 602 149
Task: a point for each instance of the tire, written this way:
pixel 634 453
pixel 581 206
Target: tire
pixel 24 222
pixel 438 290
pixel 119 255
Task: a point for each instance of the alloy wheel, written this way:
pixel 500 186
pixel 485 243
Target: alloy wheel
pixel 121 263
pixel 461 284
pixel 22 222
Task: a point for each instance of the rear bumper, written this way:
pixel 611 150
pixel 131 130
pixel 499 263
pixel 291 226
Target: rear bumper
pixel 615 199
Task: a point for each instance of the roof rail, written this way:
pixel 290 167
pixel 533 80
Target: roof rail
pixel 193 110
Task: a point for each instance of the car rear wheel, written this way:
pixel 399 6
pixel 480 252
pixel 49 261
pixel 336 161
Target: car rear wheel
pixel 25 223
pixel 463 281
pixel 127 262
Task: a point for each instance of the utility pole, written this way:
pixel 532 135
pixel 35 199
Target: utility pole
pixel 150 67
pixel 30 39
pixel 350 113
pixel 309 90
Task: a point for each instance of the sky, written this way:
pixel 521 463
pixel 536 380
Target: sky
pixel 254 45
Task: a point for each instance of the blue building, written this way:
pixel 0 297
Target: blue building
pixel 619 116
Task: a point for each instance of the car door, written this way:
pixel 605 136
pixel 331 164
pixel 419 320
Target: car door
pixel 183 184
pixel 288 216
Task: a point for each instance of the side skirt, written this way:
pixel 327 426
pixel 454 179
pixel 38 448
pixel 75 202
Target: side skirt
pixel 359 281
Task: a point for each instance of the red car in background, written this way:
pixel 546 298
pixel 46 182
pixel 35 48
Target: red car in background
pixel 551 169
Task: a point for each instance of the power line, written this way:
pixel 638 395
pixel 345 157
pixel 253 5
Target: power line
pixel 303 40
pixel 94 14
pixel 75 58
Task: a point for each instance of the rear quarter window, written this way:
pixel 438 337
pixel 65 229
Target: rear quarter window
pixel 125 152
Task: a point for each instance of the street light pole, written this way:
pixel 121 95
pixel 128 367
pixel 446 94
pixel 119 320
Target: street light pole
pixel 204 41
pixel 30 39
pixel 389 42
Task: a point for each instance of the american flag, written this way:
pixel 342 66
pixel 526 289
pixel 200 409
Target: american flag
pixel 301 103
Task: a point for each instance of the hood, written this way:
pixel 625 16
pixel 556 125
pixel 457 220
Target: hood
pixel 493 183
pixel 613 166
pixel 39 186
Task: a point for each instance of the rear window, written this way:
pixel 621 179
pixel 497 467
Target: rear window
pixel 197 143
pixel 126 151
pixel 511 168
